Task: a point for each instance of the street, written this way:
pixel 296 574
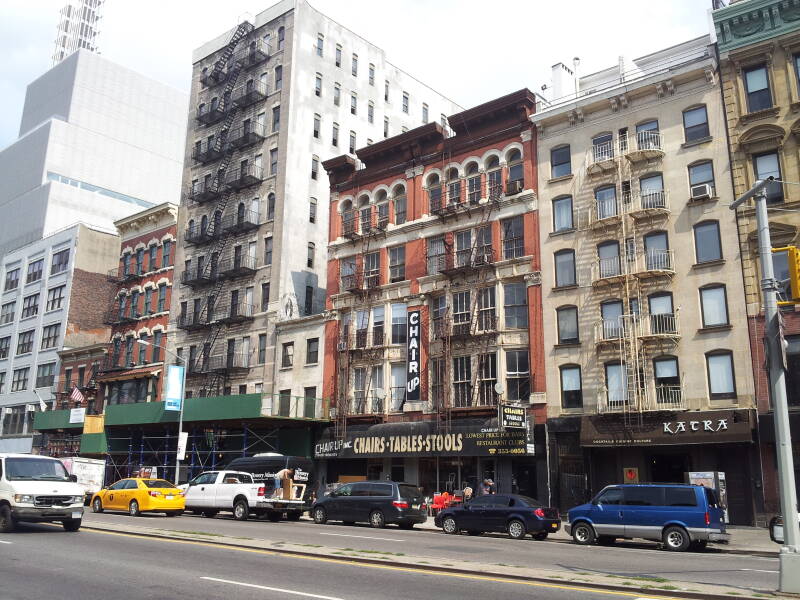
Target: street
pixel 41 561
pixel 626 559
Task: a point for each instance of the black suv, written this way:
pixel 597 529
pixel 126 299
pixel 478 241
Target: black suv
pixel 373 502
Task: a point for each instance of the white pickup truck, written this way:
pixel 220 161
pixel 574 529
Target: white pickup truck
pixel 38 489
pixel 215 491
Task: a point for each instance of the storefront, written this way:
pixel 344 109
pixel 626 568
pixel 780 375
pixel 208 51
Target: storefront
pixel 464 454
pixel 663 447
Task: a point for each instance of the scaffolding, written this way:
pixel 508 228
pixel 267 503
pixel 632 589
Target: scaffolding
pixel 633 260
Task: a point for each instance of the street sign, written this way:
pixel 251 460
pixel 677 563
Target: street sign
pixel 183 437
pixel 174 395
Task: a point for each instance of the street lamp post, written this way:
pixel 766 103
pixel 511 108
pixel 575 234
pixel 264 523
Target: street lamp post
pixel 790 553
pixel 183 400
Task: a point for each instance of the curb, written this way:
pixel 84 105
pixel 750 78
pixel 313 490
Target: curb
pixel 651 592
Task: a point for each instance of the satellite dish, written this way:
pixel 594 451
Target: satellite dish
pixel 498 388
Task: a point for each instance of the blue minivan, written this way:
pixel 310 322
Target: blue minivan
pixel 679 516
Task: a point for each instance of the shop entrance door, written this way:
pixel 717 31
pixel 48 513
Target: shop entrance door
pixel 668 468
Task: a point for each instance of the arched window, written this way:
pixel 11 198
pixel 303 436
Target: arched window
pixel 189 230
pixel 605 199
pixel 434 192
pixel 565 267
pixel 453 186
pixel 310 258
pixel 399 199
pixel 658 256
pixel 312 210
pixel 494 177
pixel 603 147
pixel 473 176
pixel 365 213
pixel 571 386
pixel 608 262
pixel 349 221
pixel 616 385
pixel 281 38
pixel 562 214
pixel 560 162
pixel 203 224
pixel 240 213
pixel 515 168
pixel 217 222
pixel 667 380
pixel 714 305
pixel 611 318
pixel 707 243
pixel 721 376
pixel 270 206
pixel 662 314
pixel 651 191
pixel 567 319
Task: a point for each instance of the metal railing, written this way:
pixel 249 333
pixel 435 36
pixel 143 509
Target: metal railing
pixel 250 93
pixel 208 150
pixel 366 404
pixel 360 282
pixel 237 266
pixel 297 407
pixel 208 114
pixel 234 313
pixel 246 135
pixel 222 363
pixel 202 191
pixel 240 222
pixel 648 399
pixel 244 176
pixel 648 200
pixel 648 140
pixel 253 54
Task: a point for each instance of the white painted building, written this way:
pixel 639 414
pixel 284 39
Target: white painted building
pixel 97 142
pixel 78 27
pixel 309 89
pixel 51 296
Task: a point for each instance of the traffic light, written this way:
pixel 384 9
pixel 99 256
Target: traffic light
pixel 791 288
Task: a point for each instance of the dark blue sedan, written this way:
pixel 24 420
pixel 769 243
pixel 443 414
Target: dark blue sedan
pixel 514 514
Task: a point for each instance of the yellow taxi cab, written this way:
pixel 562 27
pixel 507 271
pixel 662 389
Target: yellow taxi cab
pixel 137 495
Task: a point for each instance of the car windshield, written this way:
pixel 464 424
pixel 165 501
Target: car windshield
pixel 35 469
pixel 158 483
pixel 527 500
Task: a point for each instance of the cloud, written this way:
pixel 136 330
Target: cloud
pixel 467 50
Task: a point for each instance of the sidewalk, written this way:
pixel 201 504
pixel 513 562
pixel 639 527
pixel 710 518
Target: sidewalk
pixel 744 540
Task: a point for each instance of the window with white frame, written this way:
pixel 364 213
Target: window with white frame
pixel 50 335
pixel 462 381
pixel 397 263
pixel 518 376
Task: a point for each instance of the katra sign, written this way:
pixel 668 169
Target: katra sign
pixel 412 357
pixel 712 425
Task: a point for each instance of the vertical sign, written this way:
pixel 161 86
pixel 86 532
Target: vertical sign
pixel 412 357
pixel 174 395
pixel 183 437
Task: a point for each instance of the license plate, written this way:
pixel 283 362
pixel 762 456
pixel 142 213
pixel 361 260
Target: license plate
pixel 170 497
pixel 415 506
pixel 554 525
pixel 77 515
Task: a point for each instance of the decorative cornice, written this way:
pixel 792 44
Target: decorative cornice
pixel 747 23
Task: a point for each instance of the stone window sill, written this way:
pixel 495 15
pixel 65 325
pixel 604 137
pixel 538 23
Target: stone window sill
pixel 701 201
pixel 560 288
pixel 760 114
pixel 709 263
pixel 567 345
pixel 563 232
pixel 697 142
pixel 714 328
pixel 562 178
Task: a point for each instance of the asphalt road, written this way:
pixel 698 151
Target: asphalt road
pixel 41 561
pixel 625 559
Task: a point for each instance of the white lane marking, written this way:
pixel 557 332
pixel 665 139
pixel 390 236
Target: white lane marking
pixel 758 570
pixel 365 537
pixel 4 542
pixel 271 589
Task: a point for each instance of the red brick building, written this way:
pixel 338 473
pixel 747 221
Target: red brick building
pixel 435 305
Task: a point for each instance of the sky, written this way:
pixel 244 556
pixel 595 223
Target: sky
pixel 468 50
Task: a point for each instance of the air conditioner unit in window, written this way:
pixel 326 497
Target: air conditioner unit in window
pixel 514 187
pixel 702 191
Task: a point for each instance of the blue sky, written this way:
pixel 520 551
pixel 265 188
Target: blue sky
pixel 468 50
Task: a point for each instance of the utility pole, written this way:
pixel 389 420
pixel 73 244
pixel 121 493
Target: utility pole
pixel 790 553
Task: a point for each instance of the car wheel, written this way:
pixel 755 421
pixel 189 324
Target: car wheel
pixel 209 514
pixel 405 525
pixel 133 509
pixel 516 529
pixel 7 521
pixel 606 540
pixel 676 539
pixel 241 510
pixel 196 512
pixel 377 520
pixel 449 525
pixel 71 524
pixel 473 532
pixel 583 533
pixel 97 505
pixel 294 515
pixel 320 516
pixel 542 535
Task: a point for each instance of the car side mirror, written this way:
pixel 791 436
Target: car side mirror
pixel 73 478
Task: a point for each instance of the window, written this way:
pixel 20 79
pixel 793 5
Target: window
pixel 153 258
pixel 320 44
pixel 354 65
pixel 19 381
pixel 721 381
pixel 25 342
pixel 562 214
pixel 2 384
pixel 424 113
pixel 281 38
pixel 12 279
pixel 399 208
pixel 768 165
pixel 695 124
pixel 262 348
pixel 571 386
pixel 518 375
pixel 462 381
pixel 30 306
pixel 314 167
pixel 565 268
pixel 337 94
pixel 702 172
pixel 5 345
pixel 515 305
pixel 45 375
pixel 756 83
pixel 312 351
pixel 148 301
pixel 35 271
pixel 50 334
pixel 353 104
pixel 371 112
pixel 166 250
pixel 405 102
pixel 162 297
pixel 276 118
pixel 714 305
pixel 399 315
pixel 309 301
pixel 707 244
pixel 278 78
pixel 352 147
pixel 142 350
pixel 667 380
pixel 513 238
pixel 386 91
pixel 397 263
pixel 287 355
pixel 616 384
pixel 567 317
pixel 317 125
pixel 335 135
pixel 385 127
pixel 371 74
pixel 157 337
pixel 338 59
pixel 605 199
pixel 273 161
pixel 560 164
pixel 140 261
pixel 310 256
pixel 264 296
pixel 7 313
pixel 59 262
pixel 268 251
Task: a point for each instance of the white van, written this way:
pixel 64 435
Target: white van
pixel 38 489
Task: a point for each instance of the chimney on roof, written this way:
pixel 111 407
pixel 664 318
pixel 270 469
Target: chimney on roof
pixel 564 81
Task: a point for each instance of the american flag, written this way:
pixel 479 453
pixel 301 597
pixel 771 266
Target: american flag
pixel 76 395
